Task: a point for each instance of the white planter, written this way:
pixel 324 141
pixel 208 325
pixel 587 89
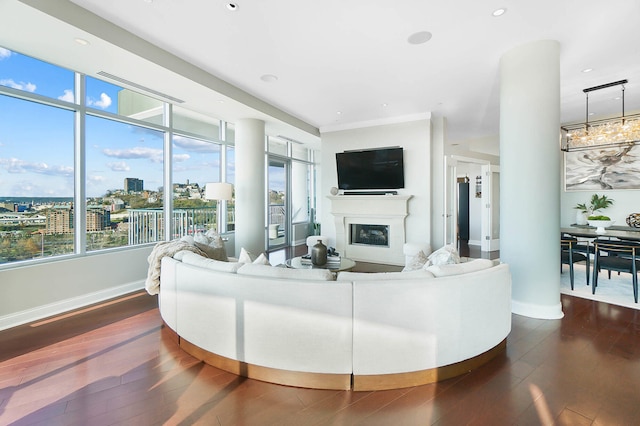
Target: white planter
pixel 600 225
pixel 581 218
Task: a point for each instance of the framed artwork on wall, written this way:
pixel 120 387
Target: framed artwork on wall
pixel 600 169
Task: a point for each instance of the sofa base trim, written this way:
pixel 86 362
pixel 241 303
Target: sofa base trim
pixel 416 378
pixel 267 374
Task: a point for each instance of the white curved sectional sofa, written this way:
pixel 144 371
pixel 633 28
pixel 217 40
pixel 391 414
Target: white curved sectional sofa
pixel 361 331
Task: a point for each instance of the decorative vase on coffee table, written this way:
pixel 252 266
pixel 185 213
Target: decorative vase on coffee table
pixel 319 254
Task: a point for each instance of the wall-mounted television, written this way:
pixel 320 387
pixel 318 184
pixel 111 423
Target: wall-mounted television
pixel 371 169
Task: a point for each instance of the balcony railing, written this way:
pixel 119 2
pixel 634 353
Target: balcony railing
pixel 147 225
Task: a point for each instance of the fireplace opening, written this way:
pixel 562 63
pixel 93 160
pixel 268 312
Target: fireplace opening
pixel 370 235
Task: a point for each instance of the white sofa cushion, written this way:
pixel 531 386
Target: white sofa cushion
pixel 460 268
pixel 266 271
pixel 215 265
pixel 384 276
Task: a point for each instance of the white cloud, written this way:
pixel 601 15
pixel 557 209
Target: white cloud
pixel 27 87
pixel 119 166
pixel 103 103
pixel 68 96
pixel 181 157
pixel 15 165
pixel 4 53
pixel 154 155
pixel 194 145
pixel 96 179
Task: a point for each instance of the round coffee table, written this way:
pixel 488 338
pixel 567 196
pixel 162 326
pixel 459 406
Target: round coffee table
pixel 344 265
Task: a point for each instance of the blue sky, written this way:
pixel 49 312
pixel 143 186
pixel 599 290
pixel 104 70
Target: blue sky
pixel 36 141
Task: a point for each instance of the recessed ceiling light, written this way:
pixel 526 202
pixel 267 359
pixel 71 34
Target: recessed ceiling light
pixel 384 105
pixel 587 70
pixel 232 6
pixel 269 78
pixel 148 1
pixel 499 12
pixel 339 112
pixel 81 41
pixel 420 37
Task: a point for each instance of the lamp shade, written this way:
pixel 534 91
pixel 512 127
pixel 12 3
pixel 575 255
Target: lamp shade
pixel 218 191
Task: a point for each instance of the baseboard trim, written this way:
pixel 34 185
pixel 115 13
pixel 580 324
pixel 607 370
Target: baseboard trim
pixel 537 311
pixel 56 308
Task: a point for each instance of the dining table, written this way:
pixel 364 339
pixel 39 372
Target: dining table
pixel 619 232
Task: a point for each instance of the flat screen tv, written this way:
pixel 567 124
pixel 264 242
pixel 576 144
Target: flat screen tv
pixel 370 169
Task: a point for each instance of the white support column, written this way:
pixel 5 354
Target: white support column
pixel 530 176
pixel 250 186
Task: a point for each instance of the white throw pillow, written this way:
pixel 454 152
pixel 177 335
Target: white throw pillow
pixel 417 262
pixel 385 276
pixel 444 256
pixel 261 260
pixel 265 271
pixel 245 256
pixel 212 245
pixel 460 268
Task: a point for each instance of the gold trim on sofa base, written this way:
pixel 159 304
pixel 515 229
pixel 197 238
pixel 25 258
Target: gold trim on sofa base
pixel 423 377
pixel 336 381
pixel 266 374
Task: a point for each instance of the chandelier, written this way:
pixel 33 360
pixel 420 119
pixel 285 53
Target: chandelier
pixel 614 132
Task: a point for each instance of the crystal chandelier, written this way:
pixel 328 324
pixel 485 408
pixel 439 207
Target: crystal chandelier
pixel 615 132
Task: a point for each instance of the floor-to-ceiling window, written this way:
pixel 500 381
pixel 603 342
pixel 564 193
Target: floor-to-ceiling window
pixel 72 144
pixel 290 193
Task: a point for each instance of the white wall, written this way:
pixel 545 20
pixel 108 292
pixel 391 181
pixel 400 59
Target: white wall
pixel 414 137
pixel 625 202
pixel 39 290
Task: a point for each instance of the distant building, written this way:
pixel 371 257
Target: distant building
pixel 60 220
pixel 133 185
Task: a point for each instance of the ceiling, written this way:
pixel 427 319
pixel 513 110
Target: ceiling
pixel 338 64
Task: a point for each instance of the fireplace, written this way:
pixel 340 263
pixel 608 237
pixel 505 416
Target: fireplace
pixel 371 235
pixel 370 228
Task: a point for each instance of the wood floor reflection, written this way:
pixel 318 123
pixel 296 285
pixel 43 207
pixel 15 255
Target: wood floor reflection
pixel 114 364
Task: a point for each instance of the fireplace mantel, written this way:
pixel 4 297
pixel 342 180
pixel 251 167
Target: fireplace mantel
pixel 390 210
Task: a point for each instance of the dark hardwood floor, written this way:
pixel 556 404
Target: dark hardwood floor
pixel 112 364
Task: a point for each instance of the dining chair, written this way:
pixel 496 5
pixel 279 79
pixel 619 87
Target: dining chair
pixel 584 246
pixel 569 256
pixel 620 256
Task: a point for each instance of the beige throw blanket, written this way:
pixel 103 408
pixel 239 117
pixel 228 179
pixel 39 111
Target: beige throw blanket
pixel 162 249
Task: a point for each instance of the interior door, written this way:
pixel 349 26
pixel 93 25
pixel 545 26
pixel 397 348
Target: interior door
pixel 450 201
pixel 491 208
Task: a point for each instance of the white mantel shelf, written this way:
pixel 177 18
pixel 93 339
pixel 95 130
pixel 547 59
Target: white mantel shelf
pixel 388 210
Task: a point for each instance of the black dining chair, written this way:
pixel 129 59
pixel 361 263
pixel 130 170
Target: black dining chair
pixel 619 256
pixel 583 246
pixel 569 256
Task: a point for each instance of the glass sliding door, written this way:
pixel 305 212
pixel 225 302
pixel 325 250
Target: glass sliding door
pixel 278 205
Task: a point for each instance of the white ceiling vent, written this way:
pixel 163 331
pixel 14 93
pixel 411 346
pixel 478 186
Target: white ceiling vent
pixel 139 86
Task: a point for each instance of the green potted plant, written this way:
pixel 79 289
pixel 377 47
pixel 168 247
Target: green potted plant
pixel 600 221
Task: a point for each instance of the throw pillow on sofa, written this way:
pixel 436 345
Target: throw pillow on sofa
pixel 247 257
pixel 212 245
pixel 444 256
pixel 417 262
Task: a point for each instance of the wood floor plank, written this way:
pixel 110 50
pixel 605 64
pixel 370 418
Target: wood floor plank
pixel 115 365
